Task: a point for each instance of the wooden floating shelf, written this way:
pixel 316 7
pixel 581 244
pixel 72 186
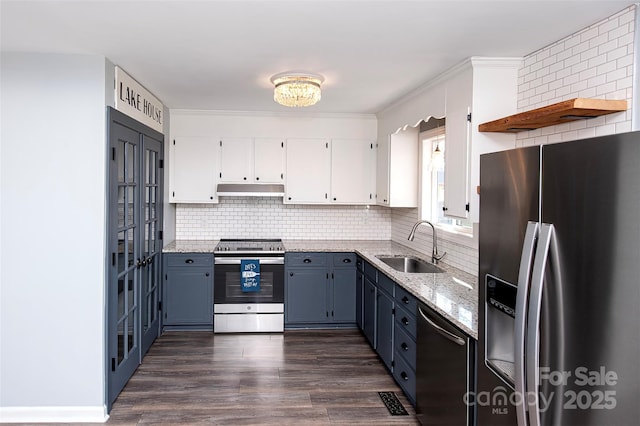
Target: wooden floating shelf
pixel 560 113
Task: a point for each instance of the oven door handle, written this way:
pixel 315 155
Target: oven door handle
pixel 262 260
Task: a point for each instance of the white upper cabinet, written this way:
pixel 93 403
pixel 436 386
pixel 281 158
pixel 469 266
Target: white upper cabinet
pixel 457 134
pixel 269 160
pixel 352 171
pixel 308 177
pixel 397 173
pixel 192 173
pixel 249 160
pixel 236 160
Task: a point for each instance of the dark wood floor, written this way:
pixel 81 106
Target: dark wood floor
pixel 299 377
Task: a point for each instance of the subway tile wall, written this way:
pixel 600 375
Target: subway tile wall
pixel 267 217
pixel 596 62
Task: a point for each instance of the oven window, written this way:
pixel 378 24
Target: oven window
pixel 234 293
pixel 227 287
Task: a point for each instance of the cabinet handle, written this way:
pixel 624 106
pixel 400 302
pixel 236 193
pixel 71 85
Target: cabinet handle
pixel 404 347
pixel 290 274
pixel 405 300
pixel 307 261
pixel 346 260
pixel 245 178
pixel 289 198
pixel 189 261
pixel 206 275
pixel 211 198
pixel 405 321
pixel 257 178
pixel 334 198
pixel 404 376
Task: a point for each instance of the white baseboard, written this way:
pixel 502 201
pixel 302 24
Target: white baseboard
pixel 96 414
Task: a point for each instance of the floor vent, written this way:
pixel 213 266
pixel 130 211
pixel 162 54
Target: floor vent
pixel 394 405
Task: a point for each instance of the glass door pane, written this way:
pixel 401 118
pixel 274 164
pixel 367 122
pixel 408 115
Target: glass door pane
pixel 151 245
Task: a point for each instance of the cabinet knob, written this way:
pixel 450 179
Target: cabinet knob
pixel 405 300
pixel 289 198
pixel 405 321
pixel 206 275
pixel 290 274
pixel 189 261
pixel 444 209
pixel 334 198
pixel 307 261
pixel 404 376
pixel 211 198
pixel 404 347
pixel 346 260
pixel 257 178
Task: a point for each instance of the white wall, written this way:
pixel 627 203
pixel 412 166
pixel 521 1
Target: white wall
pixel 52 241
pixel 265 217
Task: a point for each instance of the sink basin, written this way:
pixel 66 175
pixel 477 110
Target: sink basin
pixel 410 265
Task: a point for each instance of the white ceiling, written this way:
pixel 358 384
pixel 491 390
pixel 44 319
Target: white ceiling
pixel 219 55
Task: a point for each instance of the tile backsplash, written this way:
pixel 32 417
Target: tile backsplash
pixel 267 217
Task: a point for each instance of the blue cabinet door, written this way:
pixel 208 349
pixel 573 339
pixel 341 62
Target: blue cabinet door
pixel 189 296
pixel 384 327
pixel 369 311
pixel 306 295
pixel 344 295
pixel 359 298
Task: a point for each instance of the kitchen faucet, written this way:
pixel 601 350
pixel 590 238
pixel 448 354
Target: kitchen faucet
pixel 434 253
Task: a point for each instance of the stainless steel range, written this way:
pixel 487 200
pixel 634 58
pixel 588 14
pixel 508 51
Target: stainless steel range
pixel 248 290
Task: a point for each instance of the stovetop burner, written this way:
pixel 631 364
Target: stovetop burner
pixel 250 246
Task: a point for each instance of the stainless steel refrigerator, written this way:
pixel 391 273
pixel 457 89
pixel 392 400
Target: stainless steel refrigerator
pixel 559 308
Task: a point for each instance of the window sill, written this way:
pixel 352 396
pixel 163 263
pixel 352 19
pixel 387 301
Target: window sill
pixel 459 235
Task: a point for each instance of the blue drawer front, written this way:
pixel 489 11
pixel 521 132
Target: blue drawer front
pixel 405 346
pixel 407 300
pixel 386 284
pixel 406 321
pixel 306 259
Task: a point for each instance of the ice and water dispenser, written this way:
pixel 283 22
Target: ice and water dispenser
pixel 500 311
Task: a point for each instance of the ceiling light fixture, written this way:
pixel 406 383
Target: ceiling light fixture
pixel 294 89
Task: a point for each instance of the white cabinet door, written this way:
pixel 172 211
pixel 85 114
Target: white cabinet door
pixel 382 172
pixel 269 159
pixel 456 155
pixel 352 171
pixel 236 160
pixel 192 173
pixel 397 176
pixel 308 171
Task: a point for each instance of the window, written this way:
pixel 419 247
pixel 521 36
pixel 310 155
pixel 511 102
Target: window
pixel 432 189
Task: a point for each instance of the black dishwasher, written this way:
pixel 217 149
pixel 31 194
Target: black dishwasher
pixel 444 371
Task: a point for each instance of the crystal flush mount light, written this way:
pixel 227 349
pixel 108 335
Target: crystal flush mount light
pixel 294 89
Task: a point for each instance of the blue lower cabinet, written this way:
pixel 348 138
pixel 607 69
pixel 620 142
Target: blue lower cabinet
pixel 188 291
pixel 320 290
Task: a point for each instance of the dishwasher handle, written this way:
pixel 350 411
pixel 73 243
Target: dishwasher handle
pixel 454 338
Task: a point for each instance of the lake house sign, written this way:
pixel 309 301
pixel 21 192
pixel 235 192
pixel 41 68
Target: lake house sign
pixel 137 102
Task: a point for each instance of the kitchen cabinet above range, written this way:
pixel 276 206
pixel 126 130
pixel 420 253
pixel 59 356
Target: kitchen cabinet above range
pixel 252 160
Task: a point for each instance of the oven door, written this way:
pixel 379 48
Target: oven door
pixel 227 287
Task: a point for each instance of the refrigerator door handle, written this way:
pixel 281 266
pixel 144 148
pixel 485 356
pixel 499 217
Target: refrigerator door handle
pixel 531 397
pixel 526 260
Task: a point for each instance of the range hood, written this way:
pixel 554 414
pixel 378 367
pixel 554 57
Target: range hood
pixel 250 190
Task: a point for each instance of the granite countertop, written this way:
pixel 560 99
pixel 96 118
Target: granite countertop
pixel 453 294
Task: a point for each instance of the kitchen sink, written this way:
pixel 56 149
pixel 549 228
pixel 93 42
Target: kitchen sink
pixel 410 265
